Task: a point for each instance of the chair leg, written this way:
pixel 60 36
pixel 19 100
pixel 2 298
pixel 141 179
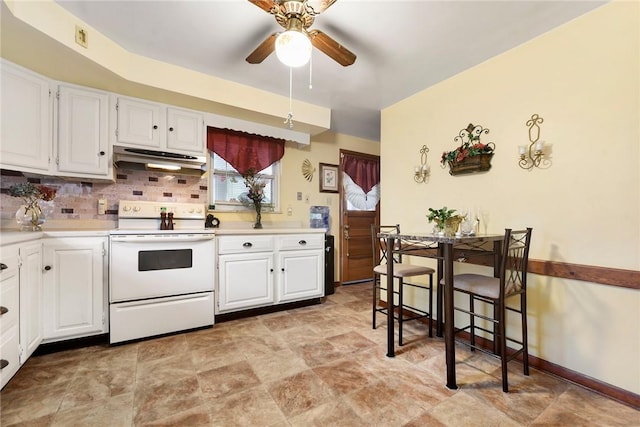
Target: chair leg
pixel 525 343
pixel 374 305
pixel 430 305
pixel 400 309
pixel 496 329
pixel 503 345
pixel 472 324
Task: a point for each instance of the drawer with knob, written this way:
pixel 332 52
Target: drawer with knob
pixel 244 244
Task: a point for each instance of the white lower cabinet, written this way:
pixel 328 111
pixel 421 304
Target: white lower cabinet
pixel 31 298
pixel 9 313
pixel 248 277
pixel 75 274
pixel 20 305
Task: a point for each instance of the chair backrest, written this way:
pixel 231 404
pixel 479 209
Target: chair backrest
pixel 515 259
pixel 379 245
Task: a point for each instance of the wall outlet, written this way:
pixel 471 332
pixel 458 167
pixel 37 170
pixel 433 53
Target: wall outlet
pixel 289 211
pixel 102 206
pixel 299 195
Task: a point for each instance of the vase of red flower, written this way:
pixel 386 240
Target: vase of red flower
pixel 255 193
pixel 38 203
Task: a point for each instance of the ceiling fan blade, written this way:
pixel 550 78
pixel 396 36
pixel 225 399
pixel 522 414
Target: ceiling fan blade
pixel 332 48
pixel 265 49
pixel 265 5
pixel 324 5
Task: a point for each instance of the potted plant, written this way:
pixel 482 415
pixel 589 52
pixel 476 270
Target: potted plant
pixel 446 220
pixel 472 155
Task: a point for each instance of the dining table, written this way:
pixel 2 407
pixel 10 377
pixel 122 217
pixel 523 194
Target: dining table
pixel 485 248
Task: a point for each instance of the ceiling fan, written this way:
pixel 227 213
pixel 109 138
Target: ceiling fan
pixel 296 16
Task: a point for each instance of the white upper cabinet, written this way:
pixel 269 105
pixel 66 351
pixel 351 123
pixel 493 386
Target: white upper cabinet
pixel 26 117
pixel 145 124
pixel 185 129
pixel 83 136
pixel 140 123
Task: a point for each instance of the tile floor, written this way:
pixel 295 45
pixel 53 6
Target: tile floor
pixel 316 366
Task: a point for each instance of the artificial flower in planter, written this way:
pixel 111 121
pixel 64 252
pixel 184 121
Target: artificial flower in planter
pixel 446 222
pixel 472 155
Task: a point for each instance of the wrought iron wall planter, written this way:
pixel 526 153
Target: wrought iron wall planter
pixel 472 155
pixel 479 163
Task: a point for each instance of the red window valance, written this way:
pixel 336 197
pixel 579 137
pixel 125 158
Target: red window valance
pixel 244 150
pixel 364 172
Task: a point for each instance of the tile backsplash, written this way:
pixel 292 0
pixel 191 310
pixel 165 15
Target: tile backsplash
pixel 77 199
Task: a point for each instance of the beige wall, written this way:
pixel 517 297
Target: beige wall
pixel 583 79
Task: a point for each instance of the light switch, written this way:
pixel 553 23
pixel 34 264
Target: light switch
pixel 299 195
pixel 102 206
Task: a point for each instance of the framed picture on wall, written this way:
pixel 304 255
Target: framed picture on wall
pixel 328 178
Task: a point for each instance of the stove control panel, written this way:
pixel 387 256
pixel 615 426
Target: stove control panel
pixel 148 209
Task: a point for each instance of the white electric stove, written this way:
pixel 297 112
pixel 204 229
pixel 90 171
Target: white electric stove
pixel 160 281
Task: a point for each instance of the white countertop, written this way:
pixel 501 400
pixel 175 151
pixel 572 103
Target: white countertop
pixel 244 231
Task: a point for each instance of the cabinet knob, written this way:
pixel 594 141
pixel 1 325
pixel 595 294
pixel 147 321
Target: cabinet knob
pixel 170 129
pixel 3 266
pixel 282 269
pixel 3 363
pixel 102 153
pixel 3 310
pixel 155 126
pixel 302 242
pixel 47 267
pixel 247 244
pixel 271 270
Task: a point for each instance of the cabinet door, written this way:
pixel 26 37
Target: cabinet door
pixel 140 123
pixel 83 117
pixel 9 312
pixel 30 299
pixel 185 130
pixel 74 287
pixel 25 114
pixel 301 275
pixel 245 281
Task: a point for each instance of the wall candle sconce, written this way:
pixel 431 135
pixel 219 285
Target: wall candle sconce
pixel 421 173
pixel 533 155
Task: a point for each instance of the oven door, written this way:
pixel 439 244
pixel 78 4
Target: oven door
pixel 157 265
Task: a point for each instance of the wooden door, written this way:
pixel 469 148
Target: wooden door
pixel 356 250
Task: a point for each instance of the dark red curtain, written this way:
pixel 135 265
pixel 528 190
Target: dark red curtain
pixel 364 172
pixel 244 150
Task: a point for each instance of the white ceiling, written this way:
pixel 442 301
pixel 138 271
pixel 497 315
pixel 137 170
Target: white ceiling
pixel 402 47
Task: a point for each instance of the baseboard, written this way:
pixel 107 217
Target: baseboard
pixel 616 393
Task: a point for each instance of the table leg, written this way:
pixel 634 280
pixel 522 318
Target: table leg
pixel 497 259
pixel 439 318
pixel 390 327
pixel 449 329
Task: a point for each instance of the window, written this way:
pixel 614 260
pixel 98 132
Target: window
pixel 227 186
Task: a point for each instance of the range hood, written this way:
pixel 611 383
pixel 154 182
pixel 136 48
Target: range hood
pixel 138 158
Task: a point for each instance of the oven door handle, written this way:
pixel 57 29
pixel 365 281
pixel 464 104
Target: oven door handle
pixel 162 238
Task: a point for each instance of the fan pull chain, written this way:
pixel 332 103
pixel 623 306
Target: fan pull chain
pixel 289 119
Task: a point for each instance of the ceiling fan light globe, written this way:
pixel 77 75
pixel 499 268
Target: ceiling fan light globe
pixel 293 48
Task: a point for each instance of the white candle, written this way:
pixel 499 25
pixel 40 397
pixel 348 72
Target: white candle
pixel 425 168
pixel 539 146
pixel 521 149
pixel 417 169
